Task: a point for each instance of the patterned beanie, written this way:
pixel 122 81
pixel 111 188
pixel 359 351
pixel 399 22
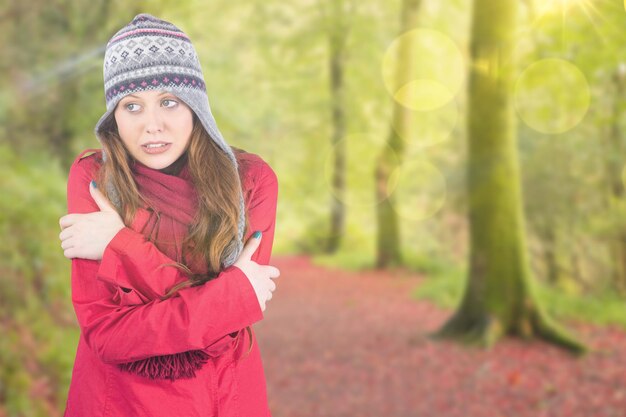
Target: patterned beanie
pixel 152 54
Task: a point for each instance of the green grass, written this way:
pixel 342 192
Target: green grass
pixel 603 308
pixel 354 261
pixel 445 288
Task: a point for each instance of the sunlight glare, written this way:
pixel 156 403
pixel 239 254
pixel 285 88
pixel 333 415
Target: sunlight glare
pixel 561 6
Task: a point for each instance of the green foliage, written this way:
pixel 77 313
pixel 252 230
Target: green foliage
pixel 39 338
pixel 356 251
pixel 602 307
pixel 444 285
pixel 314 238
pixel 33 201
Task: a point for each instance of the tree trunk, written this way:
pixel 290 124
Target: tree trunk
pixel 614 168
pixel 337 41
pixel 498 298
pixel 550 254
pixel 388 251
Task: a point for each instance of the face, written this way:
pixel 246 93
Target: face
pixel 155 127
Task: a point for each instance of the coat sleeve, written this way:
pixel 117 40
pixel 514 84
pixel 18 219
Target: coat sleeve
pixel 132 261
pixel 120 324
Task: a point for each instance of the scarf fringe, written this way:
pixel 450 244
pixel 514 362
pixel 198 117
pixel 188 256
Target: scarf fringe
pixel 172 367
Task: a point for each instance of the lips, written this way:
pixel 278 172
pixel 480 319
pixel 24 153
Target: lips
pixel 156 147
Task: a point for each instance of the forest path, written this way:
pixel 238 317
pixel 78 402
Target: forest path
pixel 344 344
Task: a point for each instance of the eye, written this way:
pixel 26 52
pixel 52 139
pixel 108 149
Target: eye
pixel 132 107
pixel 168 102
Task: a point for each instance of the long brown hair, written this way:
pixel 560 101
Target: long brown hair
pixel 217 182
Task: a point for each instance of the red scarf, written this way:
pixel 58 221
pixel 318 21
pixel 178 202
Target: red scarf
pixel 174 200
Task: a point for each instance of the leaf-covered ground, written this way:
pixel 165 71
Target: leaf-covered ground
pixel 337 344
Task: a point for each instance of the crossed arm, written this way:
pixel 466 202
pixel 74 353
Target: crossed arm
pixel 116 299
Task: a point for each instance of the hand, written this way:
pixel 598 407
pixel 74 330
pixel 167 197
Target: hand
pixel 87 235
pixel 258 275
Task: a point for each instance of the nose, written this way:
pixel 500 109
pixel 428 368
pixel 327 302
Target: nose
pixel 154 121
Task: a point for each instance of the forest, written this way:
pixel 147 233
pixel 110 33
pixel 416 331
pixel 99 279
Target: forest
pixel 454 171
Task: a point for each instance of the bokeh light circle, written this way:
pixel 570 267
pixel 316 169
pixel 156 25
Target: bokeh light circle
pixel 432 70
pixel 552 96
pixel 426 128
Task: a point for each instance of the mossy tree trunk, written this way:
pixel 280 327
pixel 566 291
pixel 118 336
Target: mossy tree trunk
pixel 388 251
pixel 617 198
pixel 337 46
pixel 498 298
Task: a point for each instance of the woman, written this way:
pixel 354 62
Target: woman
pixel 163 287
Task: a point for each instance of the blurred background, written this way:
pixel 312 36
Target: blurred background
pixel 361 109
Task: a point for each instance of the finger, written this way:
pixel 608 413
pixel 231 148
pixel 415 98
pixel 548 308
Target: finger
pixel 251 245
pixel 270 296
pixel 65 234
pixel 273 271
pixel 103 203
pixel 272 286
pixel 67 220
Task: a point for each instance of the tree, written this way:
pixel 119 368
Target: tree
pixel 498 298
pixel 388 240
pixel 338 31
pixel 613 167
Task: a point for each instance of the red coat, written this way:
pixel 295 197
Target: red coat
pixel 118 324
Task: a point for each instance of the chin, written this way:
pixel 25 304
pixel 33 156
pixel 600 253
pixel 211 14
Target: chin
pixel 157 163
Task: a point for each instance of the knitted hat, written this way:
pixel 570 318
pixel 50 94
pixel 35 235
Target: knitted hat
pixel 152 54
